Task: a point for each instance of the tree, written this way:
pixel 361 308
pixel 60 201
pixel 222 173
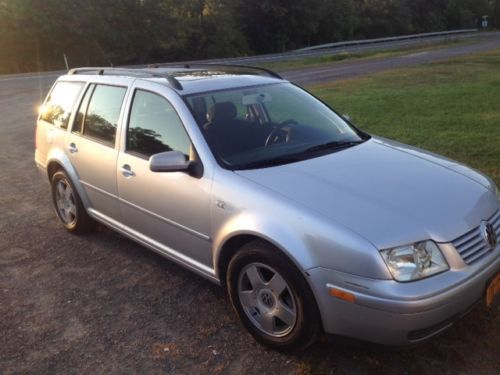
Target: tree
pixel 338 22
pixel 279 25
pixel 34 34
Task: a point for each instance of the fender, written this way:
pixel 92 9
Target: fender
pixel 308 239
pixel 56 155
pixel 265 228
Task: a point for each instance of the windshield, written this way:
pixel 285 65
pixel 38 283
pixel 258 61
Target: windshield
pixel 255 127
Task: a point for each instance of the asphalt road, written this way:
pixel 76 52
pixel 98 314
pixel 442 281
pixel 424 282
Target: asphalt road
pixel 103 304
pixel 353 68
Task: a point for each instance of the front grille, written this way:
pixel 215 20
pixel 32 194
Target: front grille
pixel 471 246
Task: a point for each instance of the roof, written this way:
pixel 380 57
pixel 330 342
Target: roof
pixel 190 79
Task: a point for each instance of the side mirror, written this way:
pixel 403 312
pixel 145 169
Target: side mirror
pixel 174 161
pixel 346 117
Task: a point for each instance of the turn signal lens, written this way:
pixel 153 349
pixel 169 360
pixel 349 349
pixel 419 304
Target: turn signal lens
pixel 349 297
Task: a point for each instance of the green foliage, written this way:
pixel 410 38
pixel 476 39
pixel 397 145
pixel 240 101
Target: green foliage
pixel 34 34
pixel 318 61
pixel 450 108
pixel 280 25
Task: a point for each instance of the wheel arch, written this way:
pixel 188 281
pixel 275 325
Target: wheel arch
pixel 230 247
pixel 232 243
pixel 56 161
pixel 298 277
pixel 53 167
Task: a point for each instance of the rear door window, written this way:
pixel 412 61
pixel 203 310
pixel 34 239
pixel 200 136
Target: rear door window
pixel 101 117
pixel 59 105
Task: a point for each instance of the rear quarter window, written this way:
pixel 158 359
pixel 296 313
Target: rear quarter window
pixel 60 103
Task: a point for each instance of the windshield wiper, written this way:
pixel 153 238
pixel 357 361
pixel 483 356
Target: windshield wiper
pixel 334 145
pixel 269 162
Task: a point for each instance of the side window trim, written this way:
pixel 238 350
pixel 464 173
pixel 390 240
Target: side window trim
pixel 83 102
pixel 127 125
pixel 87 104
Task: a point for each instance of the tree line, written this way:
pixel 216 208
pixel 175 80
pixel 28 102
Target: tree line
pixel 34 34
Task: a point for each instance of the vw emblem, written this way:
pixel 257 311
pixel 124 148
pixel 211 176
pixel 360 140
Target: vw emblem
pixel 488 233
pixel 267 299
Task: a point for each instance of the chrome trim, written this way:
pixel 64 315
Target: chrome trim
pixel 157 247
pixel 472 245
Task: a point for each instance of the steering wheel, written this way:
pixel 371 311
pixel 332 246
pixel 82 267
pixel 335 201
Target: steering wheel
pixel 280 133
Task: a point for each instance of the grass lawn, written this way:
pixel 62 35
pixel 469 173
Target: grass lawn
pixel 451 107
pixel 318 61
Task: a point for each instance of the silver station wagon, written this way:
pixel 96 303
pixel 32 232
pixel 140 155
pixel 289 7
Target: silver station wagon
pixel 312 225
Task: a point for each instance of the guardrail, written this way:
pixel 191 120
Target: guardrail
pixel 388 39
pixel 302 52
pixel 324 48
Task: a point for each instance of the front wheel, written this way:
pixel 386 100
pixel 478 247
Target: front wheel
pixel 68 205
pixel 272 298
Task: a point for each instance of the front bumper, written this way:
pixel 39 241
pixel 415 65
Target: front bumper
pixel 393 313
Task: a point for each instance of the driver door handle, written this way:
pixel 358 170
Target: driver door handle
pixel 126 171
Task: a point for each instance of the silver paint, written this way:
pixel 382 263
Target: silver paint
pixel 330 215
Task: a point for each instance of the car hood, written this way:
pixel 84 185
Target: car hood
pixel 389 193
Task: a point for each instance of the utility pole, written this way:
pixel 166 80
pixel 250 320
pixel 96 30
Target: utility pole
pixel 66 61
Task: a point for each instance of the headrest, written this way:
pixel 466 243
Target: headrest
pixel 221 112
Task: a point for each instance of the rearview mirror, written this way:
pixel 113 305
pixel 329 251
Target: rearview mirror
pixel 170 161
pixel 346 117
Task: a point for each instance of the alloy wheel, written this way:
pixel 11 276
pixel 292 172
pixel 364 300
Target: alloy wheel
pixel 65 202
pixel 267 299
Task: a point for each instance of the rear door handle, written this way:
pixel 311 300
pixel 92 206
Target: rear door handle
pixel 72 148
pixel 127 171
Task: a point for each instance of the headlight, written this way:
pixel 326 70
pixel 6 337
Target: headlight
pixel 414 262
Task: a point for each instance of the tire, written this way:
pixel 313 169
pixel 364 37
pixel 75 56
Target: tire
pixel 272 298
pixel 68 205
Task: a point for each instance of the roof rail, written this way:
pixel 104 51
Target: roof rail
pixel 170 77
pixel 124 71
pixel 196 65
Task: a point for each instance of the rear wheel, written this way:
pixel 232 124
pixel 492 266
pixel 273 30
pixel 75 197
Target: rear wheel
pixel 68 205
pixel 272 298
